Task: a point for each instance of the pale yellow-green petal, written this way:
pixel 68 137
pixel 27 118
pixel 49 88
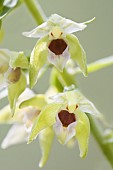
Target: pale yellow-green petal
pixel 45 139
pixel 38 101
pixel 18 59
pixel 77 52
pixel 46 119
pixel 82 132
pixel 38 59
pixel 14 91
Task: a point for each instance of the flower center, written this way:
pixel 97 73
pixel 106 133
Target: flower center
pixel 66 118
pixel 57 46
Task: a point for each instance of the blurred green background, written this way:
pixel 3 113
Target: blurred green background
pixel 97 41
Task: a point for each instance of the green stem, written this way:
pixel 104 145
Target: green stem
pixel 98 133
pixel 67 79
pixel 35 10
pixel 97 65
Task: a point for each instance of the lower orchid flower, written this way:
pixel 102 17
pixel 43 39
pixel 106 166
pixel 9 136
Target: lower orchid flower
pixel 67 115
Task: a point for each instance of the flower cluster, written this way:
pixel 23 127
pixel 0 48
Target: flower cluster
pixel 64 114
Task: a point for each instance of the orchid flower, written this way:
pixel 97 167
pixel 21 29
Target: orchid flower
pixel 56 45
pixel 11 74
pixel 22 123
pixel 67 115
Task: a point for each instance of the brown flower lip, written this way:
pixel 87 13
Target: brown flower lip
pixel 66 118
pixel 14 75
pixel 57 46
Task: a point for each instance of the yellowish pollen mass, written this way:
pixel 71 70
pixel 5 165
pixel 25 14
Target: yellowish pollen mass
pixel 55 32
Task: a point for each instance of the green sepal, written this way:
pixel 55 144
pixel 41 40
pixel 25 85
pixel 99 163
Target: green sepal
pixel 38 101
pixel 14 91
pixel 82 132
pixel 45 119
pixel 18 59
pixel 77 52
pixel 45 139
pixel 38 59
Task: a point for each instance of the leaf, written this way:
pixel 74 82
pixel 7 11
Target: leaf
pixel 45 139
pixel 82 132
pixel 77 52
pixel 45 119
pixel 38 59
pixel 37 101
pixel 14 91
pixel 18 59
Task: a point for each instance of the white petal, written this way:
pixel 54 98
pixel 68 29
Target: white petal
pixel 29 115
pixel 70 131
pixel 59 98
pixel 55 19
pixel 16 135
pixel 71 26
pixel 27 94
pixel 59 61
pixel 88 107
pixel 64 134
pixel 67 25
pixel 38 32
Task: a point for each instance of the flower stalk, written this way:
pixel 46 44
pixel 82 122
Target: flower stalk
pixel 36 11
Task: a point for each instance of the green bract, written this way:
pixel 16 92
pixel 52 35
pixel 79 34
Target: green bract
pixel 57 45
pixel 67 116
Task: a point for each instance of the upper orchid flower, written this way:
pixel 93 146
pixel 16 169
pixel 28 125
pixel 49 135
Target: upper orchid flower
pixel 57 45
